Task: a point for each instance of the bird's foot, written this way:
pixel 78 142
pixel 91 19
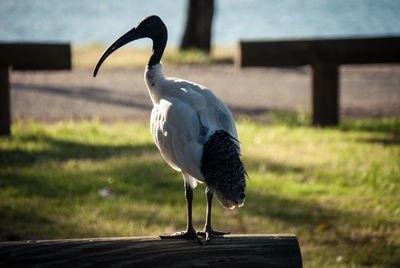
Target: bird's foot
pixel 208 232
pixel 189 235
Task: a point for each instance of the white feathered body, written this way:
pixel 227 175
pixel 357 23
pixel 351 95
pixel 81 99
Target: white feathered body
pixel 184 116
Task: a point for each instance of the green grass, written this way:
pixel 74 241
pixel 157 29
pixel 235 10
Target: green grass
pixel 337 189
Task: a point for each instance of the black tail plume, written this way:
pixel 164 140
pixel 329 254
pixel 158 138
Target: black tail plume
pixel 221 165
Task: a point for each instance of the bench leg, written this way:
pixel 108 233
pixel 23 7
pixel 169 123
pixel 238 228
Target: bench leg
pixel 325 94
pixel 5 114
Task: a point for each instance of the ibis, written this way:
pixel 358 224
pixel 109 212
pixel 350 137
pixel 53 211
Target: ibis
pixel 192 128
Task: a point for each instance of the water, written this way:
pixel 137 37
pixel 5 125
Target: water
pixel 85 22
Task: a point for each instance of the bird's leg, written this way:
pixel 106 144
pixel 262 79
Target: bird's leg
pixel 208 231
pixel 190 233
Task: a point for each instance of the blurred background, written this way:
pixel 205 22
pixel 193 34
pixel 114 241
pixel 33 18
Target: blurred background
pixel 90 26
pixel 81 162
pixel 93 22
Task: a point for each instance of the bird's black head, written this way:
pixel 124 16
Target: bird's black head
pixel 150 27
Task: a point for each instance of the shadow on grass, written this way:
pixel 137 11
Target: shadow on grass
pixel 290 211
pixel 43 187
pixel 61 150
pixel 388 141
pixel 262 164
pixel 136 178
pixel 383 125
pixel 134 175
pixel 13 223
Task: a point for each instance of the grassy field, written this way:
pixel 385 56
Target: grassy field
pixel 337 189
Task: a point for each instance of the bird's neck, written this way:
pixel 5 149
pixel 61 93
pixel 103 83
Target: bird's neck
pixel 159 43
pixel 155 81
pixel 153 74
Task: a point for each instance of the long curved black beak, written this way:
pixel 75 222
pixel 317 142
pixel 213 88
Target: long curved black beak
pixel 130 36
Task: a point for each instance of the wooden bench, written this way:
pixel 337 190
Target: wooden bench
pixel 324 55
pixel 228 251
pixel 27 56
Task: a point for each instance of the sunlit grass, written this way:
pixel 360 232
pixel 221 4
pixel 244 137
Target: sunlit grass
pixel 335 188
pixel 138 57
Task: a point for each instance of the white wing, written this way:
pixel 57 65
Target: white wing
pixel 182 121
pixel 212 111
pixel 178 138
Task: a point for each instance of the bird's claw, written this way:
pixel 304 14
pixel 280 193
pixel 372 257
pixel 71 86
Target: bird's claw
pixel 189 235
pixel 210 232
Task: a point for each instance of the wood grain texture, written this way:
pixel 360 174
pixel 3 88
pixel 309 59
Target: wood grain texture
pixel 281 250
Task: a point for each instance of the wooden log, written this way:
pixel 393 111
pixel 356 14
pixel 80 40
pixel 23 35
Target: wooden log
pixel 272 53
pixel 305 52
pixel 324 55
pixel 35 56
pixel 232 250
pixel 325 94
pixel 27 56
pixel 5 114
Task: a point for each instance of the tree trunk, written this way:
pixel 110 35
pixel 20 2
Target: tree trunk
pixel 198 25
